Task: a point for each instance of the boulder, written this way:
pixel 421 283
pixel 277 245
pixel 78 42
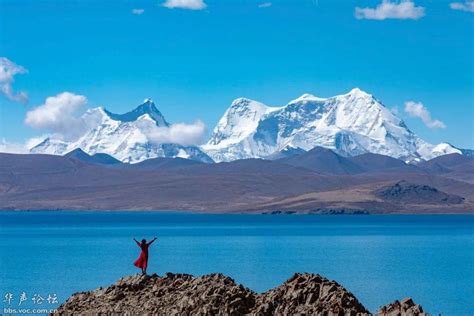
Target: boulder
pixel 309 294
pixel 405 307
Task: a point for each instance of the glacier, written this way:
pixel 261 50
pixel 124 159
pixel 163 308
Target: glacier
pixel 349 124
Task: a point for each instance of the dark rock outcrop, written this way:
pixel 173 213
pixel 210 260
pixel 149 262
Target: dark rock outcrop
pixel 406 192
pixel 308 294
pixel 174 294
pixel 405 307
pixel 214 294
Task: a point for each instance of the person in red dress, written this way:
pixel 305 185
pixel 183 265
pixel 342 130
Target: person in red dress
pixel 142 261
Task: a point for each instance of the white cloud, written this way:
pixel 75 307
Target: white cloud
pixel 405 9
pixel 265 5
pixel 179 133
pixel 8 70
pixel 417 109
pixel 20 148
pixel 57 115
pixel 12 148
pixel 462 6
pixel 138 11
pixel 185 4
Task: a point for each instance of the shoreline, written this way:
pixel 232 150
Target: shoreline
pixel 268 213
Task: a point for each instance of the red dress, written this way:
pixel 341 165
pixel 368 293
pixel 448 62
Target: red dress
pixel 142 261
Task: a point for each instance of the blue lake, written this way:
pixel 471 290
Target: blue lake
pixel 378 258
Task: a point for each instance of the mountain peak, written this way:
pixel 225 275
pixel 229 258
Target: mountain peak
pixel 78 152
pixel 148 107
pixel 307 97
pixel 243 102
pixel 98 158
pixel 358 93
pixel 249 108
pixel 321 151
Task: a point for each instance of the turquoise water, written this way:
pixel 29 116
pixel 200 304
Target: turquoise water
pixel 378 258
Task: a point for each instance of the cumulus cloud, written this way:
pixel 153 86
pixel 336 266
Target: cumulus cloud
pixel 265 5
pixel 462 6
pixel 12 148
pixel 58 115
pixel 185 4
pixel 8 70
pixel 405 9
pixel 179 133
pixel 20 148
pixel 138 11
pixel 417 109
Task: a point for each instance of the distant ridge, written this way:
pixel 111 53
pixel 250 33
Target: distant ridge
pixel 448 163
pixel 323 160
pixel 373 162
pixel 49 182
pixel 164 164
pixel 286 152
pixel 98 158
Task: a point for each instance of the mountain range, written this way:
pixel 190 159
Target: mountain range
pixel 123 136
pixel 350 124
pixel 316 181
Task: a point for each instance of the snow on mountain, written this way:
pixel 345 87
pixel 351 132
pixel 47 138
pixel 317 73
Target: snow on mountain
pixel 122 136
pixel 239 121
pixel 51 147
pixel 445 149
pixel 349 124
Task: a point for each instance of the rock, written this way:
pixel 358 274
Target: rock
pixel 309 294
pixel 405 307
pixel 215 294
pixel 405 192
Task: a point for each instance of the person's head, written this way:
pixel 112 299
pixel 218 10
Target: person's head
pixel 143 241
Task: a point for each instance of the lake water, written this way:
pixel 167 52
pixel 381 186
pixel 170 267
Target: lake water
pixel 378 258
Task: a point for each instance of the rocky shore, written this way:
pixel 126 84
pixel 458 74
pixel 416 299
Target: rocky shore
pixel 217 294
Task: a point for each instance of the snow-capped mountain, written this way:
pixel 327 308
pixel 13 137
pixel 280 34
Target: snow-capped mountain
pixel 349 124
pixel 125 137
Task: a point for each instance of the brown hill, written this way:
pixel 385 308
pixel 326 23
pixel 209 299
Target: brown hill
pixel 44 182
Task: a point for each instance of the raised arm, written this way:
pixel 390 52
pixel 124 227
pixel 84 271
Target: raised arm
pixel 152 241
pixel 138 244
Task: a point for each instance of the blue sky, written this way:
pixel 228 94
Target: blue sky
pixel 193 63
